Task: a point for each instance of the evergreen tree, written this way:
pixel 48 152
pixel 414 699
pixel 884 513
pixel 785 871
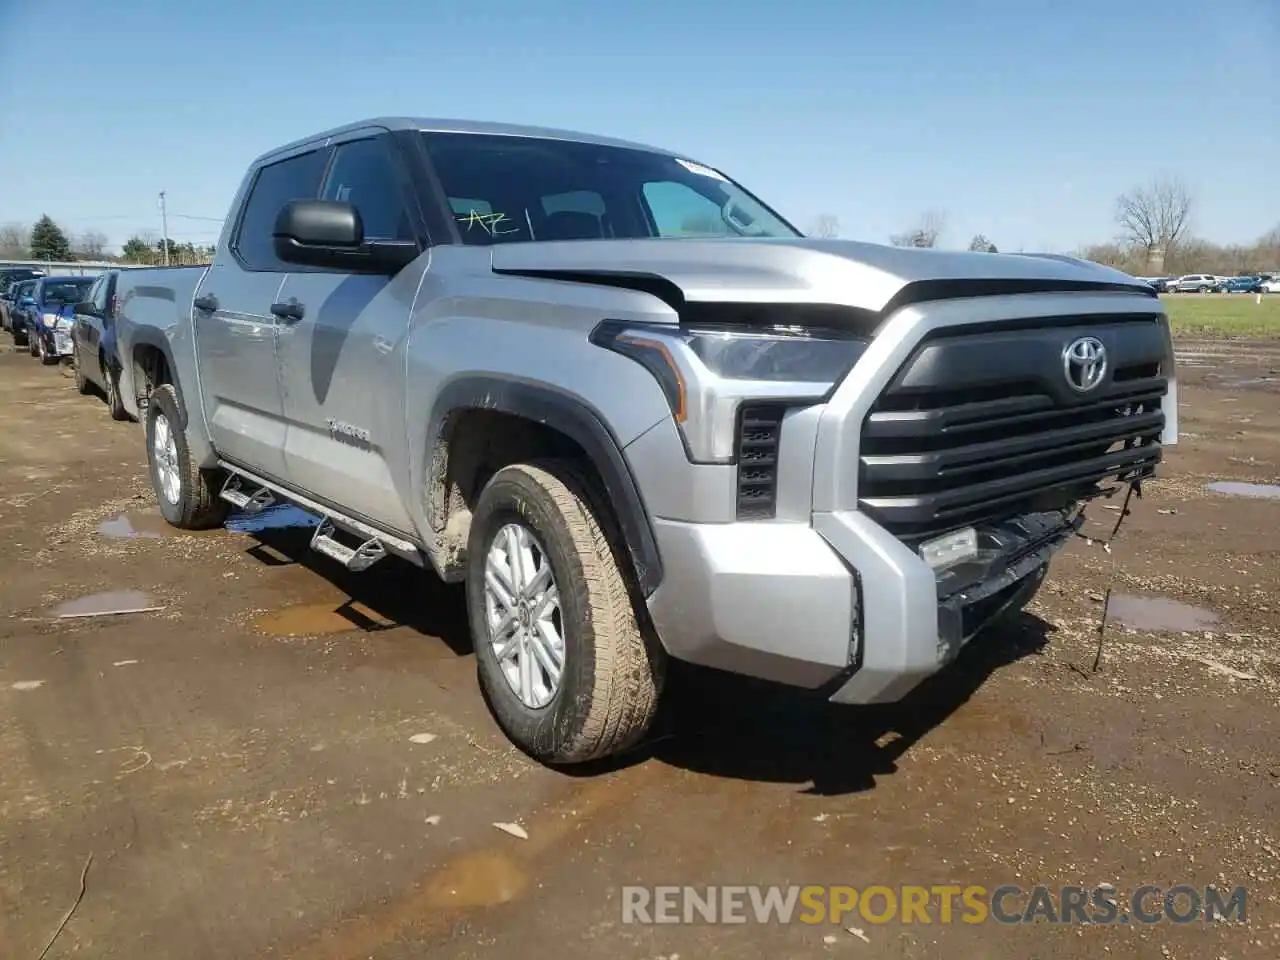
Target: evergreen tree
pixel 48 242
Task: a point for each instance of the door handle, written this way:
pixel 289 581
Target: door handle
pixel 208 303
pixel 290 310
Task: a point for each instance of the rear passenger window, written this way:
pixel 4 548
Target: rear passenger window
pixel 297 178
pixel 364 176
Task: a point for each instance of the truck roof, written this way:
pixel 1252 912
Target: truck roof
pixel 438 125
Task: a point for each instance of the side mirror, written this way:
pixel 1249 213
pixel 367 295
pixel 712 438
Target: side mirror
pixel 87 308
pixel 330 234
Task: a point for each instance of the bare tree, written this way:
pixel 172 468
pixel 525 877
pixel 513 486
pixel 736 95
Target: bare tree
pixel 924 234
pixel 15 241
pixel 90 244
pixel 1269 242
pixel 826 226
pixel 980 244
pixel 1156 217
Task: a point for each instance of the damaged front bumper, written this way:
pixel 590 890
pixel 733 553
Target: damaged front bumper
pixel 782 601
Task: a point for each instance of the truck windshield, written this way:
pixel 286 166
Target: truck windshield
pixel 506 189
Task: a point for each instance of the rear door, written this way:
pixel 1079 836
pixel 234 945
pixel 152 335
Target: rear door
pixel 339 365
pixel 235 328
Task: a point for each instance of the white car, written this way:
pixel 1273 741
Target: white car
pixel 1271 284
pixel 1196 282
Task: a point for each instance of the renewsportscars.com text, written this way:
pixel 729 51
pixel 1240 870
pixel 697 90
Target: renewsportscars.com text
pixel 943 904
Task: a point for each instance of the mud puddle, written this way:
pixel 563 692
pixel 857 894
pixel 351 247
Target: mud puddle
pixel 1159 614
pixel 476 880
pixel 107 604
pixel 1238 488
pixel 145 525
pixel 313 619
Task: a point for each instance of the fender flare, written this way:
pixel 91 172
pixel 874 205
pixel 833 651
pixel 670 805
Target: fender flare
pixel 151 337
pixel 570 415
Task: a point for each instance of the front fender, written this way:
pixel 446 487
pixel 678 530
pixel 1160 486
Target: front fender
pixel 573 417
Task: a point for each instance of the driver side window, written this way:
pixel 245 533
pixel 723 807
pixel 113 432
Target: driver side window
pixel 680 211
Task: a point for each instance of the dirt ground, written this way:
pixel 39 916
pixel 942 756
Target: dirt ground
pixel 285 761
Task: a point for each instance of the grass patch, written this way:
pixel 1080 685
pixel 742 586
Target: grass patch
pixel 1223 315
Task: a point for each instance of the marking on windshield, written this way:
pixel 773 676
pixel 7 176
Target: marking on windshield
pixel 701 170
pixel 490 223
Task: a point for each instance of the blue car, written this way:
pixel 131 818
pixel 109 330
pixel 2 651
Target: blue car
pixel 20 304
pixel 49 321
pixel 1242 285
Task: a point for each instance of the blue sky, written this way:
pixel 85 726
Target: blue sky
pixel 1021 120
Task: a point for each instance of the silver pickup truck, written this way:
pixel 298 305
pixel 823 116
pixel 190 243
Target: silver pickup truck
pixel 638 413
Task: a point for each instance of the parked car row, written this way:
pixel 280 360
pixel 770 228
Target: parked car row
pixel 69 319
pixel 1211 283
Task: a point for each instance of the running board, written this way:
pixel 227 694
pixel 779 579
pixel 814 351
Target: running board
pixel 355 559
pixel 234 492
pixel 375 544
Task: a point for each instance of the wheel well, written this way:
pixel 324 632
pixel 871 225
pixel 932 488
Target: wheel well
pixel 473 445
pixel 150 369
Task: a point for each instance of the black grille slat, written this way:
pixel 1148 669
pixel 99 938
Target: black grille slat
pixel 948 445
pixel 759 431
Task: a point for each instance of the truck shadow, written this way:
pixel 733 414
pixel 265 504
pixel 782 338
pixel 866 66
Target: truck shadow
pixel 718 724
pixel 740 728
pixel 400 594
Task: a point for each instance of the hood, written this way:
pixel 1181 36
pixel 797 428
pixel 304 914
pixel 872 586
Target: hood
pixel 865 276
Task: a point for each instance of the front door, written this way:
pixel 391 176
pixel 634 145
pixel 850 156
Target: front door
pixel 236 329
pixel 85 330
pixel 340 369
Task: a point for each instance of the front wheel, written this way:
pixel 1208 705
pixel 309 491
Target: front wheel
pixel 111 387
pixel 47 357
pixel 83 387
pixel 188 496
pixel 565 665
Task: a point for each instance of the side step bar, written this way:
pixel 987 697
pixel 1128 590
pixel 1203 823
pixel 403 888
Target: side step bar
pixel 235 493
pixel 253 494
pixel 355 559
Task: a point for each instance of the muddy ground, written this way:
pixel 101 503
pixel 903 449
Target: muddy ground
pixel 284 761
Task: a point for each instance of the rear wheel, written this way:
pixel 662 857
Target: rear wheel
pixel 188 496
pixel 567 669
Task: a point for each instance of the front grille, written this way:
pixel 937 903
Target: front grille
pixel 759 429
pixel 982 427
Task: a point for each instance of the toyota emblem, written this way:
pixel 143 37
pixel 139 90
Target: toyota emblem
pixel 1084 361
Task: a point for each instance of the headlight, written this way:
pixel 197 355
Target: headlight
pixel 50 320
pixel 707 372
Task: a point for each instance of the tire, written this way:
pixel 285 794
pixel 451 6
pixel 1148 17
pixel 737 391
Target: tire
pixel 33 343
pixel 47 358
pixel 612 667
pixel 1202 289
pixel 111 387
pixel 83 387
pixel 188 497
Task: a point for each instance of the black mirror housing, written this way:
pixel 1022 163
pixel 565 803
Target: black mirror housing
pixel 330 234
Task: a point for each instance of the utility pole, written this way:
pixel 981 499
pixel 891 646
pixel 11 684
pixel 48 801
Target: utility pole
pixel 164 227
